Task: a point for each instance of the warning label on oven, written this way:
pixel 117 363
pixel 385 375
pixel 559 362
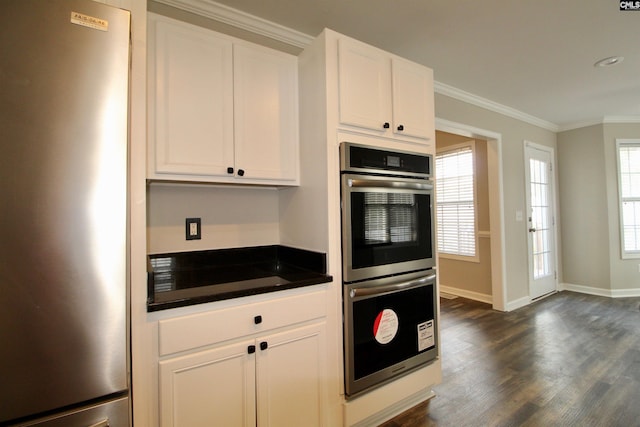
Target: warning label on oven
pixel 425 335
pixel 385 326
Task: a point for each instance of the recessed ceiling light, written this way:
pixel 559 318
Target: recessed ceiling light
pixel 607 62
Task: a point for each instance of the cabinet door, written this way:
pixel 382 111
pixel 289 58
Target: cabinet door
pixel 265 114
pixel 364 79
pixel 191 99
pixel 209 388
pixel 413 109
pixel 290 378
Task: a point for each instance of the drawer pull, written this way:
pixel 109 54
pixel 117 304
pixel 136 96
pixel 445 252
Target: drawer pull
pixel 257 320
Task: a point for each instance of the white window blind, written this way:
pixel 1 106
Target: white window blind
pixel 455 205
pixel 629 185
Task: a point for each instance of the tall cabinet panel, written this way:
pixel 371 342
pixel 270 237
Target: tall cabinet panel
pixel 192 80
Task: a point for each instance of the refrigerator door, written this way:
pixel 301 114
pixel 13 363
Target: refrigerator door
pixel 64 67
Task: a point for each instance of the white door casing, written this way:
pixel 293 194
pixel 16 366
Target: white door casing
pixel 541 230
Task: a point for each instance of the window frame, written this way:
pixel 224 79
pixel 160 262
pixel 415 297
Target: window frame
pixel 448 255
pixel 620 143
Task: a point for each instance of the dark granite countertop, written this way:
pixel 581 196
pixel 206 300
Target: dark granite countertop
pixel 186 278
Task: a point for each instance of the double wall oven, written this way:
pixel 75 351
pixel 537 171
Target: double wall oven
pixel 388 259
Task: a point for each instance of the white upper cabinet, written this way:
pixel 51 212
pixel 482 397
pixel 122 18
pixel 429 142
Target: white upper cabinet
pixel 220 109
pixel 191 78
pixel 413 109
pixel 266 113
pixel 364 79
pixel 384 94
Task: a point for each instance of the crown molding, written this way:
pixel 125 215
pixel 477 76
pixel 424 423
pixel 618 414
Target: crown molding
pixel 603 121
pixel 478 101
pixel 621 119
pixel 239 19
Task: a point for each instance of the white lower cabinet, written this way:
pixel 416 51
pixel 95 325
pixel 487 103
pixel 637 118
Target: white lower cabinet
pixel 261 364
pixel 209 388
pixel 276 379
pixel 290 378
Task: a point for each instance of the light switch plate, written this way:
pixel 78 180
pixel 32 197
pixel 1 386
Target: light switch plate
pixel 193 228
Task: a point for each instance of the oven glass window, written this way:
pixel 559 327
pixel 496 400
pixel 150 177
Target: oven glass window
pixel 391 328
pixel 389 227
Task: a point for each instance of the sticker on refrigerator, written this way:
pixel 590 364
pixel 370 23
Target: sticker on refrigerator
pixel 89 21
pixel 425 335
pixel 385 327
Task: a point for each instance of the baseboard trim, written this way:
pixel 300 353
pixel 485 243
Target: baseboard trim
pixel 476 296
pixel 611 293
pixel 396 409
pixel 519 303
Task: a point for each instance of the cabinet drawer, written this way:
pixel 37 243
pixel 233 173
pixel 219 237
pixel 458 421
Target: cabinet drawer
pixel 201 329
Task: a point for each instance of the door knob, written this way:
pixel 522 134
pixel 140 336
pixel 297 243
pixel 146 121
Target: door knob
pixel 532 230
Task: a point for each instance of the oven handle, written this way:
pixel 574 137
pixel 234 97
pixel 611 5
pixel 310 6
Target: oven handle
pixel 378 290
pixel 395 184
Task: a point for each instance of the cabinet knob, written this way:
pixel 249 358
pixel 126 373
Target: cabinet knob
pixel 241 172
pixel 400 127
pixel 257 320
pixel 386 125
pixel 229 170
pixel 251 349
pixel 264 345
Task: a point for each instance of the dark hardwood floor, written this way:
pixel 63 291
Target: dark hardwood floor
pixel 567 360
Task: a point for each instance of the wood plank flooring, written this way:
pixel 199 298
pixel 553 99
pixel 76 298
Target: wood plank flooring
pixel 567 360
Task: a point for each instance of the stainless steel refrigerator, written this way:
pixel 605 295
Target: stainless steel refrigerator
pixel 64 329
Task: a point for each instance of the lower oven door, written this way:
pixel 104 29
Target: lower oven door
pixel 390 328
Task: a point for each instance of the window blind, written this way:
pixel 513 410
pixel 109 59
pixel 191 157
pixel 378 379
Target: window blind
pixel 455 202
pixel 629 162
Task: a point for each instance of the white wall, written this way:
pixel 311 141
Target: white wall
pixel 591 217
pixel 585 235
pixel 231 217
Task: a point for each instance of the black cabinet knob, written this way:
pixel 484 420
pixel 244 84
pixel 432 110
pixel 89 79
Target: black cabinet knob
pixel 401 127
pixel 386 125
pixel 229 170
pixel 264 345
pixel 240 172
pixel 251 349
pixel 257 320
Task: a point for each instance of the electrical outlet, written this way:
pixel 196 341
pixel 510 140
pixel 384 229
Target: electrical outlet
pixel 193 228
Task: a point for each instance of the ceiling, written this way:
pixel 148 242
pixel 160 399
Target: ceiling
pixel 535 57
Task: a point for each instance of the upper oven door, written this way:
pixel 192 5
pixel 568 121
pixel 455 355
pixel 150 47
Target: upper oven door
pixel 387 226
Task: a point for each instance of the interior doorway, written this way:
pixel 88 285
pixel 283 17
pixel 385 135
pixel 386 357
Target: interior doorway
pixel 496 204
